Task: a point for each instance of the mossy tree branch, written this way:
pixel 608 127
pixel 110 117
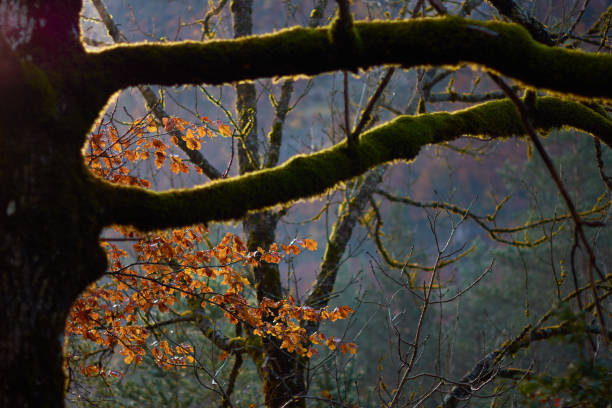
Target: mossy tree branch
pixel 501 47
pixel 310 175
pixel 511 10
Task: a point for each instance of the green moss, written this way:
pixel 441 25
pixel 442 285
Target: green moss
pixel 236 343
pixel 254 348
pixel 500 47
pixel 345 39
pixel 548 110
pixel 43 98
pixel 310 175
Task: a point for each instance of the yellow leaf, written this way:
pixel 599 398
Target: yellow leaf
pixel 152 126
pixel 310 244
pixel 91 370
pixel 193 144
pixel 225 130
pixel 188 135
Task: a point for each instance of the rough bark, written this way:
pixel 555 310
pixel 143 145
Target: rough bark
pixel 49 220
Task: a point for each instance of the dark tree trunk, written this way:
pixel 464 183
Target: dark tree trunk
pixel 283 378
pixel 49 253
pixel 49 227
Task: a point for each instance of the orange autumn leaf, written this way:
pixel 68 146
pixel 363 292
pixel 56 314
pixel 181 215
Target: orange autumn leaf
pixel 91 370
pixel 113 134
pixel 340 313
pixel 193 144
pixel 201 131
pixel 309 244
pixel 225 130
pixel 177 165
pixel 163 285
pixel 131 155
pixel 160 157
pixel 291 249
pixel 191 140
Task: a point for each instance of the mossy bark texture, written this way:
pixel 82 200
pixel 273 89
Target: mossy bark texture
pixel 52 210
pixel 500 47
pixel 306 176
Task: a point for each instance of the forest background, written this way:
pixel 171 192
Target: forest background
pixel 172 351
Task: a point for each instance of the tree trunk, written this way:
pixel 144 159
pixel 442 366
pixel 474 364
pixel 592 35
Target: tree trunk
pixel 282 371
pixel 49 226
pixel 282 375
pixel 49 253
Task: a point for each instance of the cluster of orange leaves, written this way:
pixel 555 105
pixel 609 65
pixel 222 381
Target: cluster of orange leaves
pixel 169 266
pixel 110 151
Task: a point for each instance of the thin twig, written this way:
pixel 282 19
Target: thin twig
pixel 600 166
pixel 578 222
pixel 229 165
pixel 367 112
pixel 206 20
pixel 347 120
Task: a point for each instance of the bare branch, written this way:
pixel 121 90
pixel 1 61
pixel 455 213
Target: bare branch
pixel 483 220
pixel 366 115
pixel 338 240
pixel 210 14
pixel 215 336
pixel 153 102
pixel 600 165
pixel 275 136
pixel 579 223
pixel 487 368
pixel 511 10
